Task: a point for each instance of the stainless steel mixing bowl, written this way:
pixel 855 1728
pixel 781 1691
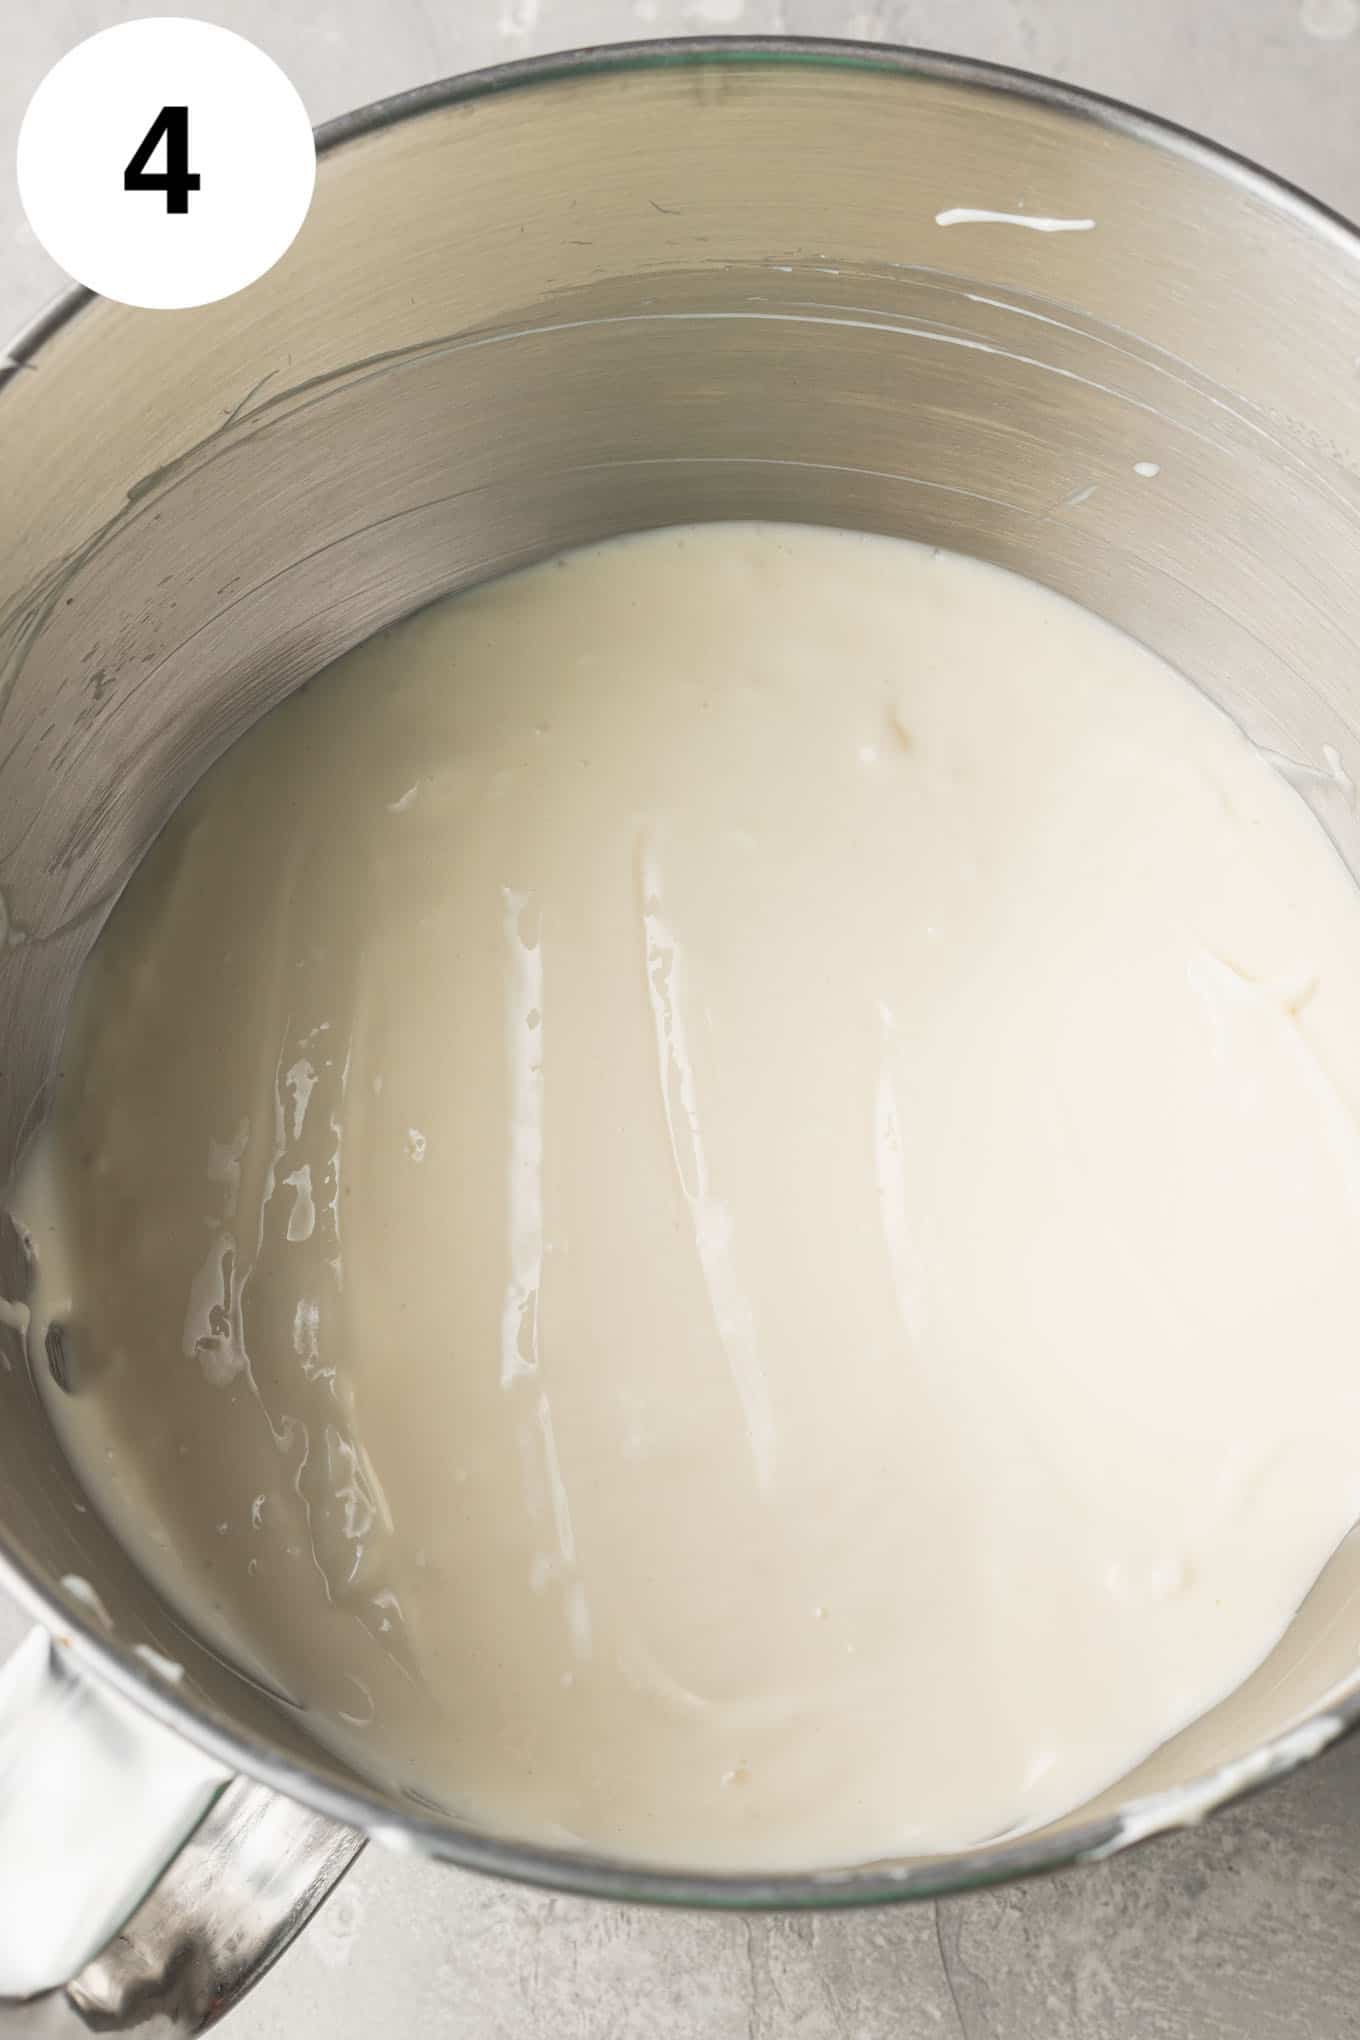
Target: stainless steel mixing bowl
pixel 577 297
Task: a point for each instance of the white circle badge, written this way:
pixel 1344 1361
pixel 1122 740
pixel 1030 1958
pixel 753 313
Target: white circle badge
pixel 166 163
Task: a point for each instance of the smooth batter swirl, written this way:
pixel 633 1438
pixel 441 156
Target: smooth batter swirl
pixel 711 1198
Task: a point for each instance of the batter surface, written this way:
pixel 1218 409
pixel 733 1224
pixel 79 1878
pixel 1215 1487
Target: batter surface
pixel 711 1198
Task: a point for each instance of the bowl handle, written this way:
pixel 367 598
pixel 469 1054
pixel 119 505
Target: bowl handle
pixel 142 1887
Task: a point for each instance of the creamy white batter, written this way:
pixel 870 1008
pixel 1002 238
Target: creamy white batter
pixel 711 1197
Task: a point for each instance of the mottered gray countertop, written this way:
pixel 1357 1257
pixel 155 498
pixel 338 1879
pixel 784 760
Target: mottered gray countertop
pixel 1247 1929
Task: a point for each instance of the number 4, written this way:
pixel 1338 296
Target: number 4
pixel 177 180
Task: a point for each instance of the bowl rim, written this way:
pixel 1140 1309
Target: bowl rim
pixel 584 1872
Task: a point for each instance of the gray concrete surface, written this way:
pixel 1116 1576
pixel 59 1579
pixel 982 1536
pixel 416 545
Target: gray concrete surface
pixel 1246 1930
